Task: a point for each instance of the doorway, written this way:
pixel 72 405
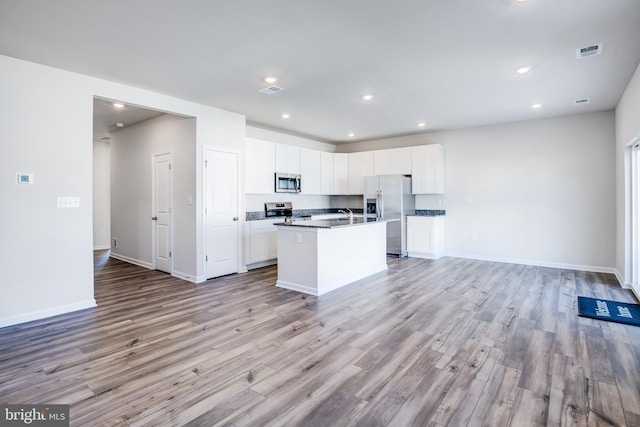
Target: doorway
pixel 144 149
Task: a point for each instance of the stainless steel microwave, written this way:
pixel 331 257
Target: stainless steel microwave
pixel 287 183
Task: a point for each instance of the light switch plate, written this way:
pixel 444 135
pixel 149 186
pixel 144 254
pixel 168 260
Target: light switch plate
pixel 68 202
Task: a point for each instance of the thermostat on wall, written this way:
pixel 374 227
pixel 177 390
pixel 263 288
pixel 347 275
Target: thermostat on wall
pixel 24 178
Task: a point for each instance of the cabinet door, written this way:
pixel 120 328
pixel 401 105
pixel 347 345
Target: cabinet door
pixel 420 236
pixel 287 159
pixel 263 241
pixel 340 173
pixel 310 170
pixel 427 169
pixel 273 244
pixel 326 173
pixel 425 236
pixel 394 161
pixel 259 167
pixel 360 165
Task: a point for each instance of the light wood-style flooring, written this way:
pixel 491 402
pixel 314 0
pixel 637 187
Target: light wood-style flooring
pixel 452 342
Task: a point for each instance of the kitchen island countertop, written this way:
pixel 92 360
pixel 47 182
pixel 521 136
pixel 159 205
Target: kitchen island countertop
pixel 328 223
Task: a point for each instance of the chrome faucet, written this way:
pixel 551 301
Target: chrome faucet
pixel 348 213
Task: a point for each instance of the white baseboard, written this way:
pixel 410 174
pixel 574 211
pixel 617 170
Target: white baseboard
pixel 579 267
pixel 47 312
pixel 260 264
pixel 101 247
pixel 185 276
pixel 297 287
pixel 621 281
pixel 422 255
pixel 131 260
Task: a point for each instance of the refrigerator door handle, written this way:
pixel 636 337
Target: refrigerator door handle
pixel 380 208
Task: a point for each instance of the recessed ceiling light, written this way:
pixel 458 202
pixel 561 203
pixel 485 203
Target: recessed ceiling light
pixel 120 125
pixel 118 105
pixel 522 1
pixel 523 70
pixel 367 97
pixel 351 134
pixel 536 106
pixel 421 124
pixel 285 115
pixel 270 80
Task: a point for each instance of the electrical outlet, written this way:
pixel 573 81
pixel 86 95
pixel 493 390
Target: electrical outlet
pixel 474 237
pixel 115 243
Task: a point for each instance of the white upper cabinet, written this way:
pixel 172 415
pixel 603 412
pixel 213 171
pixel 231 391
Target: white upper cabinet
pixel 326 173
pixel 311 171
pixel 287 159
pixel 340 173
pixel 427 169
pixel 259 167
pixel 394 161
pixel 360 165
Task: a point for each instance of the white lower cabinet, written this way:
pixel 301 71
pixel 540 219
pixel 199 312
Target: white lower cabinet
pixel 425 236
pixel 262 242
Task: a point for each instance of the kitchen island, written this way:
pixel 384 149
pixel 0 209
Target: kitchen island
pixel 318 256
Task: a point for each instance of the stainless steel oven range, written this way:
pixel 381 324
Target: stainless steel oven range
pixel 277 209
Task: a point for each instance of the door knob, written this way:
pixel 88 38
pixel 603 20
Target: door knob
pixel 154 218
pixel 235 218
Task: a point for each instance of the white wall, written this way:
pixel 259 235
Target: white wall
pixel 627 127
pixel 132 151
pixel 101 191
pixel 46 252
pixel 534 192
pixel 47 114
pixel 284 138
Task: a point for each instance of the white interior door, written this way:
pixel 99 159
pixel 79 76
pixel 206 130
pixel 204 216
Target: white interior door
pixel 161 216
pixel 221 213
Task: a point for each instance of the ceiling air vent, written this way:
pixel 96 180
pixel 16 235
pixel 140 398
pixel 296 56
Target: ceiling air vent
pixel 270 90
pixel 582 101
pixel 592 50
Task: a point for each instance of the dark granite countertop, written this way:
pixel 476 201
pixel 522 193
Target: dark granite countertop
pixel 328 223
pixel 429 212
pixel 299 213
pixel 306 213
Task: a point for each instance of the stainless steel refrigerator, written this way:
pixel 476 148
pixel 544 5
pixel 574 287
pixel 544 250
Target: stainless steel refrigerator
pixel 389 197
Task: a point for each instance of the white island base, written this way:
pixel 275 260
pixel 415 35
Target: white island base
pixel 318 260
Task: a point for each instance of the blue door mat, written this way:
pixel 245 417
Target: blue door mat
pixel 612 311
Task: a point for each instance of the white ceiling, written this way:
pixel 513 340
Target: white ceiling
pixel 106 117
pixel 450 64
